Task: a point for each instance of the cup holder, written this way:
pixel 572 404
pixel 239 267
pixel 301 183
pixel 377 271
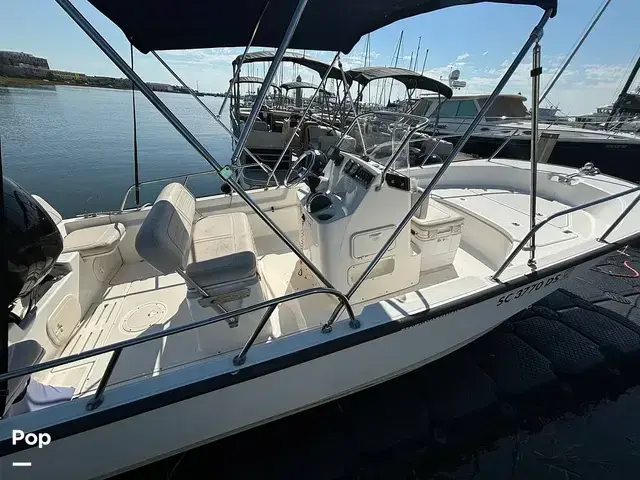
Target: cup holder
pixel 325 216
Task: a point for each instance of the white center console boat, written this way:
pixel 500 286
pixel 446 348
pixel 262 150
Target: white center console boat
pixel 139 333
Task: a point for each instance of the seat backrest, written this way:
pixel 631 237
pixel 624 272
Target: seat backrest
pixel 165 235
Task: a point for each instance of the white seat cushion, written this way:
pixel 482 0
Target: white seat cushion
pixel 94 241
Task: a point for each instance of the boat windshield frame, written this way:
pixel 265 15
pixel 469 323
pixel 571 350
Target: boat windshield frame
pixel 401 128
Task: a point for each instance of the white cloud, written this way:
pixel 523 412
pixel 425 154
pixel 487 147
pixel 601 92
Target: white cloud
pixel 485 53
pixel 462 56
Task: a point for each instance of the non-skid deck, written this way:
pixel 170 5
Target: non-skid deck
pixel 137 302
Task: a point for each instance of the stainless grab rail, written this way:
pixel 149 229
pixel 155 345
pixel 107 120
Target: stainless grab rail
pixel 117 348
pixel 164 179
pixel 617 221
pixel 533 231
pixel 186 176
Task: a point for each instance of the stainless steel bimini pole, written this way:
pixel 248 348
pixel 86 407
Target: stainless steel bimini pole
pixel 224 173
pixel 268 80
pixel 535 36
pixel 304 114
pixel 236 73
pixel 213 115
pixel 536 71
pixel 347 96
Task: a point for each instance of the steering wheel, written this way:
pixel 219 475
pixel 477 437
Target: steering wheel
pixel 301 168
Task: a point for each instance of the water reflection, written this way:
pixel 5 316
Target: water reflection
pixel 74 145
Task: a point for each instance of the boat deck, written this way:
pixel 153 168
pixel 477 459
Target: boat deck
pixel 539 397
pixel 138 301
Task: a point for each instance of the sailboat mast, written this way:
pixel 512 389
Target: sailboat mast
pixel 415 67
pixel 367 63
pixel 395 65
pixel 424 64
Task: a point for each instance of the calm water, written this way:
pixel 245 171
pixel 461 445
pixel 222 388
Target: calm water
pixel 74 145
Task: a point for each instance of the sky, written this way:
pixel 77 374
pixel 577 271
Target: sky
pixel 480 40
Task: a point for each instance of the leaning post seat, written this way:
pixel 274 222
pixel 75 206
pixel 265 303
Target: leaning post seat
pixel 215 254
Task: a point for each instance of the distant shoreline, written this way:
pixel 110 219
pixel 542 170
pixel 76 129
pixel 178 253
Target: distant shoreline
pixel 27 82
pixel 31 82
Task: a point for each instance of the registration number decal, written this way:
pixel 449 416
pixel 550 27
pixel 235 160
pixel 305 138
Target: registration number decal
pixel 534 287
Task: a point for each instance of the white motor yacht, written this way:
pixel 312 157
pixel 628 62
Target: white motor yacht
pixel 140 333
pixel 508 122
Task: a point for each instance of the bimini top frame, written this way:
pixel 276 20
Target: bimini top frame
pixel 258 80
pixel 151 28
pixel 410 79
pixel 293 85
pixel 317 66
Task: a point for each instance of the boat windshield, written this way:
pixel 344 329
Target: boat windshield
pixel 506 106
pixel 378 135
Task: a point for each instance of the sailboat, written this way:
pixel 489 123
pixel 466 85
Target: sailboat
pixel 138 333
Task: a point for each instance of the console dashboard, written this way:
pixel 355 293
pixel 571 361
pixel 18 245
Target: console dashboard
pixel 359 173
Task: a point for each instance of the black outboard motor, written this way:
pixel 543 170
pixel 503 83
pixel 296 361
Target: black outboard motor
pixel 31 240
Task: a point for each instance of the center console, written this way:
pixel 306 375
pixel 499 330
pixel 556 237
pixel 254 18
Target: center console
pixel 348 219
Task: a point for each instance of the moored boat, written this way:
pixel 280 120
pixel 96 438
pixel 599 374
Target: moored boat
pixel 164 327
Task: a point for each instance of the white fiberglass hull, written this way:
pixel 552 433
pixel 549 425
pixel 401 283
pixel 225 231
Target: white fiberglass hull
pixel 123 435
